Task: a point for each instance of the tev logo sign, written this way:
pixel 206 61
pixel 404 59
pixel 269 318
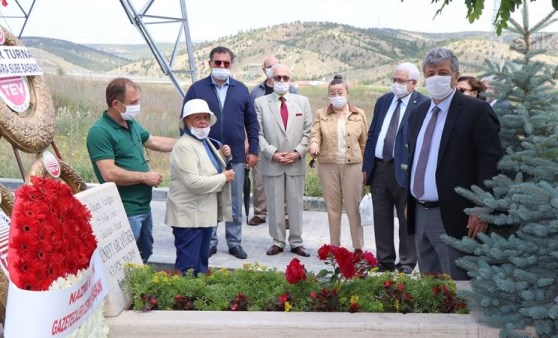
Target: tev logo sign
pixel 14 91
pixel 51 164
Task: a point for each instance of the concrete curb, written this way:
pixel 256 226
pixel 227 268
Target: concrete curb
pixel 160 194
pixel 294 324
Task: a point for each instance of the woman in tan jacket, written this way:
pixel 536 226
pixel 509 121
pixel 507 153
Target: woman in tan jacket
pixel 338 139
pixel 199 192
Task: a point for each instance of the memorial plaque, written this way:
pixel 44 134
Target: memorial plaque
pixel 116 242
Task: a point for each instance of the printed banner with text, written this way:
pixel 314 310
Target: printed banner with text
pixel 59 312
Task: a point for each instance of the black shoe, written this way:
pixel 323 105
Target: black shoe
pixel 385 268
pixel 238 252
pixel 212 251
pixel 405 269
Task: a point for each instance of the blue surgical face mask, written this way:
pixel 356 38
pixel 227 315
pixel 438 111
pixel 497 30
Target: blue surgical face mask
pixel 338 101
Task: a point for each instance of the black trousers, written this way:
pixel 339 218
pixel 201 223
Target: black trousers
pixel 387 194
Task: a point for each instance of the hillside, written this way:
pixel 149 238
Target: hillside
pixel 79 55
pixel 315 50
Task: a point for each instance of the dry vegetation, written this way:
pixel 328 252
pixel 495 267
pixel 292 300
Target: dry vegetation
pixel 80 101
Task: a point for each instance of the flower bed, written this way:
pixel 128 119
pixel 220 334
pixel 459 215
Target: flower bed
pixel 350 286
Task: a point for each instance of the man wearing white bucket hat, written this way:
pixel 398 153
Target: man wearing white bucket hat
pixel 199 191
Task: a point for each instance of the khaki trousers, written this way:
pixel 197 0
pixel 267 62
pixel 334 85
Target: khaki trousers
pixel 342 186
pixel 258 192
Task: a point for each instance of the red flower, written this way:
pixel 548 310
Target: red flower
pixel 327 251
pixel 346 262
pixel 369 257
pixel 50 235
pixel 239 303
pixel 284 298
pixel 295 272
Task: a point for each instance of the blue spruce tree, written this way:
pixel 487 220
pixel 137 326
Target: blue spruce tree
pixel 514 267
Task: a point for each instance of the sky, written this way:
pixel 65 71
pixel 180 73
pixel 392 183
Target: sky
pixel 105 21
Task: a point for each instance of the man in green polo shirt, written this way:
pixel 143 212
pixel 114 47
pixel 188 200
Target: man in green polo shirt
pixel 116 148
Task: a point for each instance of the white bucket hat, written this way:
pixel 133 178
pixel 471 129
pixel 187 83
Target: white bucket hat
pixel 196 106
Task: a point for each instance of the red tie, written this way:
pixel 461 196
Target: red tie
pixel 284 111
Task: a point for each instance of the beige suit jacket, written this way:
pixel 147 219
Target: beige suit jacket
pixel 198 196
pixel 275 137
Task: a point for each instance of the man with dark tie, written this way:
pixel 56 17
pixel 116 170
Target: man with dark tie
pixel 258 194
pixel 453 142
pixel 285 121
pixel 385 161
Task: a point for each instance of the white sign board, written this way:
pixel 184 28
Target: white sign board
pixel 17 61
pixel 116 242
pixel 67 308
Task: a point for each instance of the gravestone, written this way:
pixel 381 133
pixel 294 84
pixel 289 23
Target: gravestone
pixel 116 242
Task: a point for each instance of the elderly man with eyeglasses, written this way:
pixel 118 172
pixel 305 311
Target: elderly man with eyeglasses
pixel 230 100
pixel 385 162
pixel 258 194
pixel 285 121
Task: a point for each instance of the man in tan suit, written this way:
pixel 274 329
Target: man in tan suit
pixel 285 121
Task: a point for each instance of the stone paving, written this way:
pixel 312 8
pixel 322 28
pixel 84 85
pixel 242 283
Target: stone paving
pixel 256 240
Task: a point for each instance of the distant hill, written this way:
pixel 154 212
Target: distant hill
pixel 315 50
pixel 79 55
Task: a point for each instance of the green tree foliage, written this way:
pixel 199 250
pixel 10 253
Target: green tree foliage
pixel 514 268
pixel 475 8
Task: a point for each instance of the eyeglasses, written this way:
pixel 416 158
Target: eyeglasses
pixel 400 81
pixel 285 78
pixel 218 63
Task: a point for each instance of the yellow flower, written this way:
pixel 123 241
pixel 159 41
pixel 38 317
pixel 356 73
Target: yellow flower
pixel 354 299
pixel 288 307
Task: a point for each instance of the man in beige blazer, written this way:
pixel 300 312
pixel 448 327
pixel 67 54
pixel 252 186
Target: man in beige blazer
pixel 285 121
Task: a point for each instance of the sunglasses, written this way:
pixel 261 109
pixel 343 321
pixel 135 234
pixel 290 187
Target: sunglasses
pixel 218 63
pixel 285 78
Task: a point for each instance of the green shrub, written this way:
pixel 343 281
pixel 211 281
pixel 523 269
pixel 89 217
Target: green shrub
pixel 256 288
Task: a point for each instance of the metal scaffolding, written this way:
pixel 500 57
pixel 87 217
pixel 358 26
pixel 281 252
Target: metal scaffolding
pixel 22 14
pixel 141 19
